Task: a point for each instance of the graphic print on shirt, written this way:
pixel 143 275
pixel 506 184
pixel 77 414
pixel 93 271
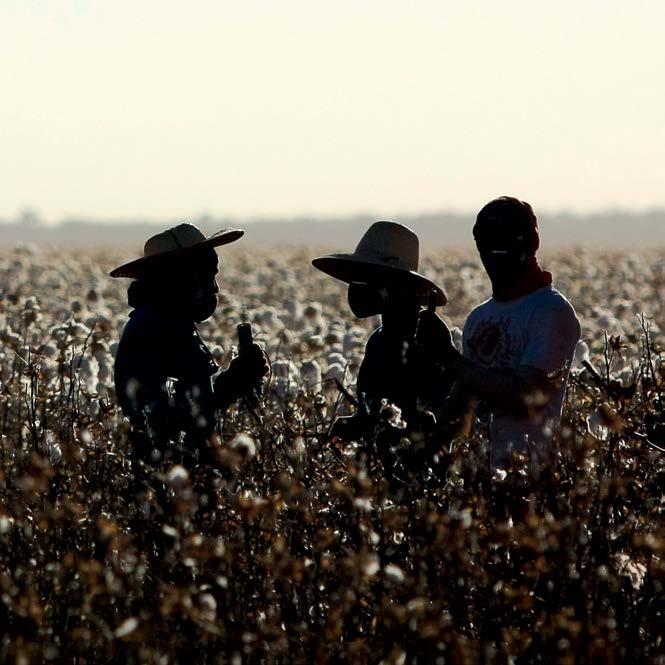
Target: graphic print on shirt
pixel 491 343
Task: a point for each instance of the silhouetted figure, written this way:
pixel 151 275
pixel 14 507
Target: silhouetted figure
pixel 396 369
pixel 167 381
pixel 518 345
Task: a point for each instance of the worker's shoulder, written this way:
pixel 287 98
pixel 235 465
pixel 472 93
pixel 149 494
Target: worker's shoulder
pixel 479 311
pixel 550 299
pixel 552 310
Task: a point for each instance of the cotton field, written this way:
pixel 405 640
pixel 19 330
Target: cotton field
pixel 293 547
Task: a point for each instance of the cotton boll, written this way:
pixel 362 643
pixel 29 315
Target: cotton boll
pixel 456 334
pixel 245 445
pixel 282 369
pixel 78 330
pixel 336 359
pixel 334 337
pixel 286 378
pixel 293 314
pixel 334 373
pixel 354 339
pixel 581 354
pixel 394 573
pixel 313 311
pixel 597 426
pixel 177 477
pixel 310 371
pixel 53 448
pixel 315 342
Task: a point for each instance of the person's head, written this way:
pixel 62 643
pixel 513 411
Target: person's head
pixel 185 287
pixel 396 304
pixel 506 235
pixel 177 271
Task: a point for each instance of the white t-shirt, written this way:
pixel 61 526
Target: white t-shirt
pixel 538 330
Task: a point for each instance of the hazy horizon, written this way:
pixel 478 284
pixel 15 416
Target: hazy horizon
pixel 159 110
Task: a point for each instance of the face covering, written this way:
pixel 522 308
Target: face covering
pixel 504 251
pixel 504 267
pixel 200 286
pixel 366 299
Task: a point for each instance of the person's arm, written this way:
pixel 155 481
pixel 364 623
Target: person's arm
pixel 520 392
pixel 523 391
pixel 242 376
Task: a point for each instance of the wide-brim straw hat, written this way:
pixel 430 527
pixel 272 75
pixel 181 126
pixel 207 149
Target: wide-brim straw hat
pixel 387 255
pixel 173 244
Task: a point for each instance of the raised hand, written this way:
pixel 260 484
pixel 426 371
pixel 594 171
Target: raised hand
pixel 243 375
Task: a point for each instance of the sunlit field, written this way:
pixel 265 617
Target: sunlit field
pixel 292 547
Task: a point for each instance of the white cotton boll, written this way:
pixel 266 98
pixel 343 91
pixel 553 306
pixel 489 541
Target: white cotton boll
pixel 313 310
pixel 285 388
pixel 334 337
pixel 371 565
pixel 635 571
pixel 335 359
pixel 208 606
pixel 335 372
pixel 596 425
pixel 456 334
pixel 394 573
pixel 245 445
pixel 10 338
pixel 354 339
pixel 283 369
pixel 53 448
pixel 127 627
pixel 79 330
pixel 315 342
pixel 310 371
pixel 581 354
pixel 6 524
pixel 177 477
pixel 31 302
pixel 293 313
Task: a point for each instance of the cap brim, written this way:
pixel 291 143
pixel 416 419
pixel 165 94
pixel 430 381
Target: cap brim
pixel 348 268
pixel 140 266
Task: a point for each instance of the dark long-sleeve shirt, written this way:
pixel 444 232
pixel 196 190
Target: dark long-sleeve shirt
pixel 163 378
pixel 396 370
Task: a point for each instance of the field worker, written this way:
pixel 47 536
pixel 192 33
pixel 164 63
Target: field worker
pixel 382 274
pixel 518 345
pixel 166 380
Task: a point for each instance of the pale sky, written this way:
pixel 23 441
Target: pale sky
pixel 163 109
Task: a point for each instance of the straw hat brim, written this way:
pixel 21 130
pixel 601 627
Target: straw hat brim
pixel 137 267
pixel 351 268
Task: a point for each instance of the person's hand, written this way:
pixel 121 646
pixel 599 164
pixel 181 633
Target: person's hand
pixel 434 337
pixel 243 375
